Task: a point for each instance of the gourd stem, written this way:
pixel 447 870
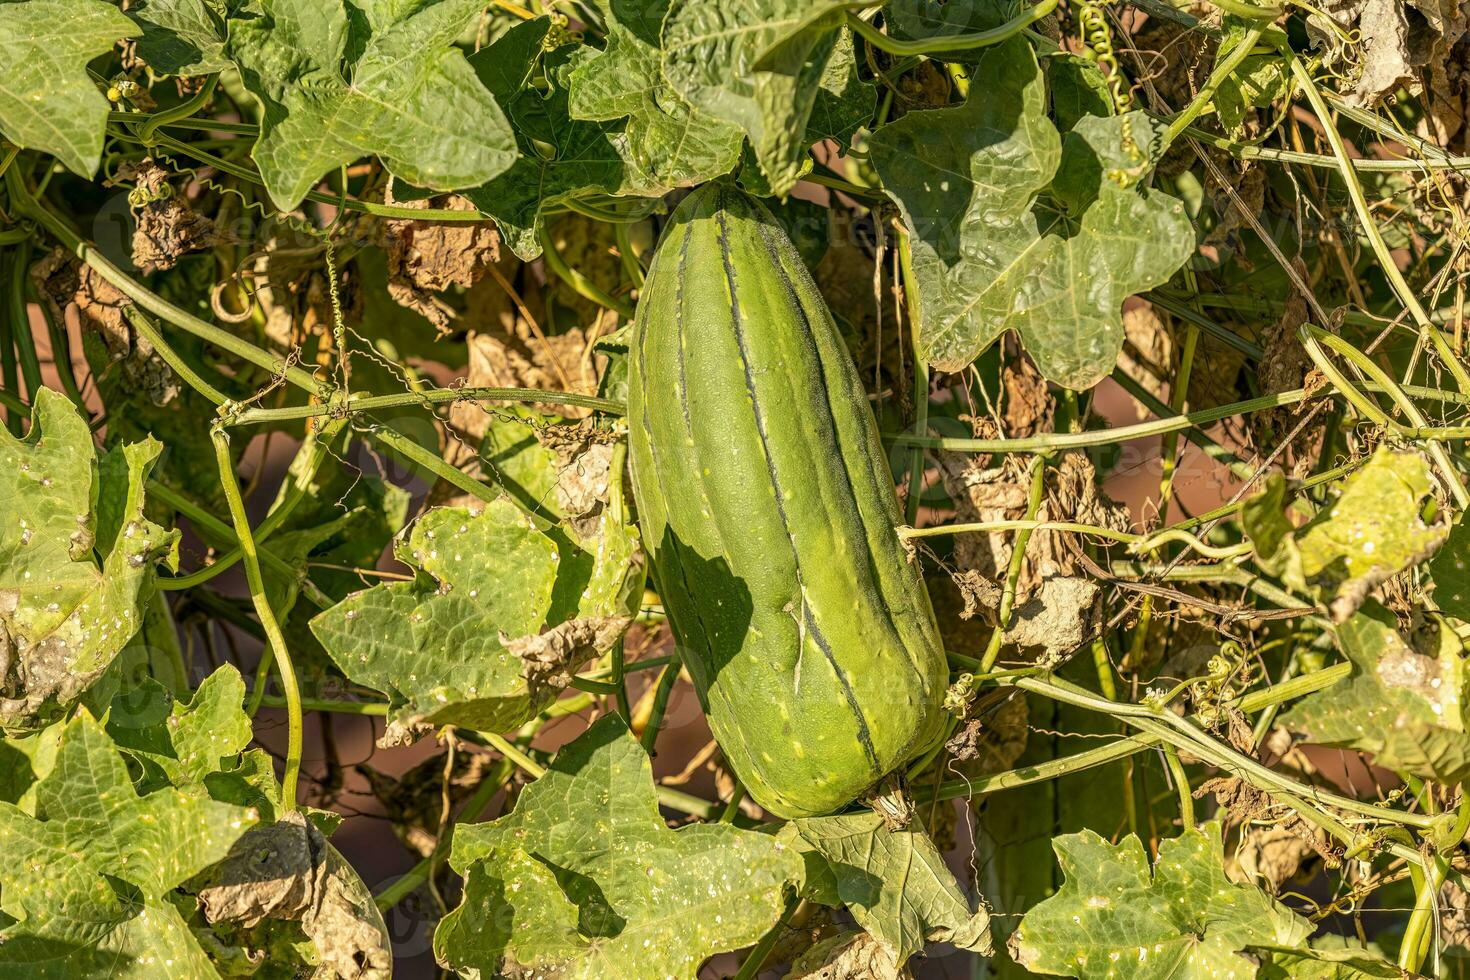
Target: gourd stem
pixel 275 639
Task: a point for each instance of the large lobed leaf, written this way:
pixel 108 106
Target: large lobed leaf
pixel 666 139
pixel 182 37
pixel 757 65
pixel 1181 920
pixel 89 872
pixel 560 157
pixel 338 81
pixel 77 557
pixel 989 257
pixel 584 880
pixel 451 646
pixel 47 102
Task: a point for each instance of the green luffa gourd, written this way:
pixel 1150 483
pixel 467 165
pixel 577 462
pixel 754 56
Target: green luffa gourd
pixel 768 508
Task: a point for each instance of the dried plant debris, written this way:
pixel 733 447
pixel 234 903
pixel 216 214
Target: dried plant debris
pixel 62 282
pixel 550 658
pixel 167 226
pixel 584 455
pixel 426 258
pixel 1380 45
pixel 288 871
pixel 849 956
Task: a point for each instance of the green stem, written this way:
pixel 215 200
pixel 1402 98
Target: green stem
pixel 25 343
pixel 313 452
pixel 1386 263
pixel 140 322
pixel 921 378
pixel 10 374
pixel 1209 446
pixel 1181 783
pixel 377 709
pixel 153 303
pixel 61 358
pixel 1224 69
pixel 490 784
pixel 432 396
pixel 411 451
pixel 1013 571
pixel 1419 932
pixel 1421 428
pixel 631 265
pixel 275 639
pixel 1105 437
pixel 1124 747
pixel 584 287
pixel 951 42
pixel 732 808
pixel 147 130
pixel 755 960
pixel 1171 728
pixel 666 681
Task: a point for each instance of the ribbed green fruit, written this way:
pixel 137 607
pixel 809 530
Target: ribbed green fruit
pixel 768 508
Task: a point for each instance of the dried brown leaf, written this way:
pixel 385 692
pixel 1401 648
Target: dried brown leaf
pixel 167 226
pixel 427 257
pixel 550 658
pixel 850 956
pixel 993 742
pixel 584 455
pixel 62 282
pixel 288 871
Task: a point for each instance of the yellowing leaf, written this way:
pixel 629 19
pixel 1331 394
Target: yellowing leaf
pixel 88 875
pixel 1373 530
pixel 64 612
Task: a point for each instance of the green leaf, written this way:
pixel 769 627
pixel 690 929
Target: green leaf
pixel 1324 964
pixel 895 884
pixel 1373 530
pixel 433 645
pixel 88 874
pixel 1258 81
pixel 47 101
pixel 1183 919
pixel 338 81
pixel 584 879
pixel 1451 572
pixel 844 101
pixel 667 141
pixel 988 257
pixel 180 743
pixel 1078 88
pixel 755 64
pixel 76 555
pixel 921 19
pixel 560 157
pixel 1403 706
pixel 437 646
pixel 182 37
pixel 523 467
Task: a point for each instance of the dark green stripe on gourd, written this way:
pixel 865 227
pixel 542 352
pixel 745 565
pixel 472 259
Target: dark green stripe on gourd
pixel 768 507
